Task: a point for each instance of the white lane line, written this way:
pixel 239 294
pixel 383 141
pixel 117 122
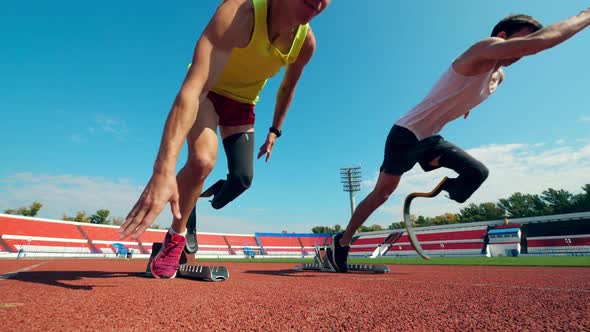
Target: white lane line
pixel 14 273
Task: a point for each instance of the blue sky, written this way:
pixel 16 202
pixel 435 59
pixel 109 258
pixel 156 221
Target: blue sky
pixel 85 90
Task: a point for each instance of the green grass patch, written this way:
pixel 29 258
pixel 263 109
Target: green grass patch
pixel 494 261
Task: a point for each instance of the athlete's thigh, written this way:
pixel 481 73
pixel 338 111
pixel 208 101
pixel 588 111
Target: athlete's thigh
pixel 387 183
pixel 202 137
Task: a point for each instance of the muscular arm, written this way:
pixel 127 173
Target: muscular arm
pixel 548 37
pixel 292 75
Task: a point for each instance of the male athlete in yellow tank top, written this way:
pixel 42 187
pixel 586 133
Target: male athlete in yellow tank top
pixel 245 43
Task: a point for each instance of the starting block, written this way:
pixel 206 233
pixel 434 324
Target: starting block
pixel 197 272
pixel 203 272
pixel 322 264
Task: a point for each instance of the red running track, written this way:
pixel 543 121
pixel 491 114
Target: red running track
pixel 60 295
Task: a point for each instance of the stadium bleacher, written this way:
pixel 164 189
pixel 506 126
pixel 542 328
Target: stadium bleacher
pixel 310 241
pixel 278 244
pixel 240 242
pixel 212 244
pixel 550 235
pixel 41 235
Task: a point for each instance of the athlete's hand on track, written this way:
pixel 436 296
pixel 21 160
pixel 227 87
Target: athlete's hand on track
pixel 266 148
pixel 160 190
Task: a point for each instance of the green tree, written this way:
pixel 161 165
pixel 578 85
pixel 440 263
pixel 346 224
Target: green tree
pixel 422 221
pixel 480 212
pixel 558 201
pixel 100 217
pixel 326 229
pixel 581 202
pixel 80 217
pixel 117 221
pixel 31 211
pixel 520 205
pixel 372 228
pixel 322 230
pixel 396 225
pixel 440 220
pixel 34 209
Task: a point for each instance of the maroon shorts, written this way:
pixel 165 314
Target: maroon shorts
pixel 231 112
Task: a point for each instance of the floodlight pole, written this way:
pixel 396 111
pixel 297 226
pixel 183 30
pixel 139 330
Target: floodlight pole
pixel 351 181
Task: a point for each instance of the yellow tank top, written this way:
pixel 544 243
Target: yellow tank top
pixel 250 67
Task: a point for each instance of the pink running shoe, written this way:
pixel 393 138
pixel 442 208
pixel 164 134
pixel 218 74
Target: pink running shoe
pixel 165 263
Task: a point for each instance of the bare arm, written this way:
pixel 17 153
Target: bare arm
pixel 225 31
pixel 230 27
pixel 287 90
pixel 548 37
pixel 292 75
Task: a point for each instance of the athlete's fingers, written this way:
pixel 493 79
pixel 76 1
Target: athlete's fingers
pixel 123 228
pixel 175 206
pixel 262 151
pixel 133 213
pixel 147 221
pixel 137 219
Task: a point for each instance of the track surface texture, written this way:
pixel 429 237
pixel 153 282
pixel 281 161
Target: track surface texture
pixel 64 295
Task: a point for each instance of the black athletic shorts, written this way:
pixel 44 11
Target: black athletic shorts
pixel 403 150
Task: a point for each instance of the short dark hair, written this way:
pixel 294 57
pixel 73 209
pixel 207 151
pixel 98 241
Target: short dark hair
pixel 515 23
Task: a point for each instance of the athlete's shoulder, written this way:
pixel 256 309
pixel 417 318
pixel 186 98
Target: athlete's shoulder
pixel 489 40
pixel 307 48
pixel 232 10
pixel 310 41
pixel 471 60
pixel 232 23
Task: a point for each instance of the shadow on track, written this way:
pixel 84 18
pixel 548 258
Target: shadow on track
pixel 308 273
pixel 284 273
pixel 59 278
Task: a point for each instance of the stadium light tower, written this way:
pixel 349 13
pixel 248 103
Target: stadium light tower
pixel 351 181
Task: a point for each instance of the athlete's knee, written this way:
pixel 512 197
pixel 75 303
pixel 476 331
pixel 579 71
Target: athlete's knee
pixel 200 166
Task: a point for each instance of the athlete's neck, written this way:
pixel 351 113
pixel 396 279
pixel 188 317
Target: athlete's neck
pixel 278 19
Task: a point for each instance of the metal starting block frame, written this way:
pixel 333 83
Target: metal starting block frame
pixel 322 264
pixel 203 272
pixel 189 271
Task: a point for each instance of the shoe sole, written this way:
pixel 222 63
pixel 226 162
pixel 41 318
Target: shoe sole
pixel 152 266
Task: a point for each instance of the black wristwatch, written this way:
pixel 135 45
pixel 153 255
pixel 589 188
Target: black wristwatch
pixel 275 131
